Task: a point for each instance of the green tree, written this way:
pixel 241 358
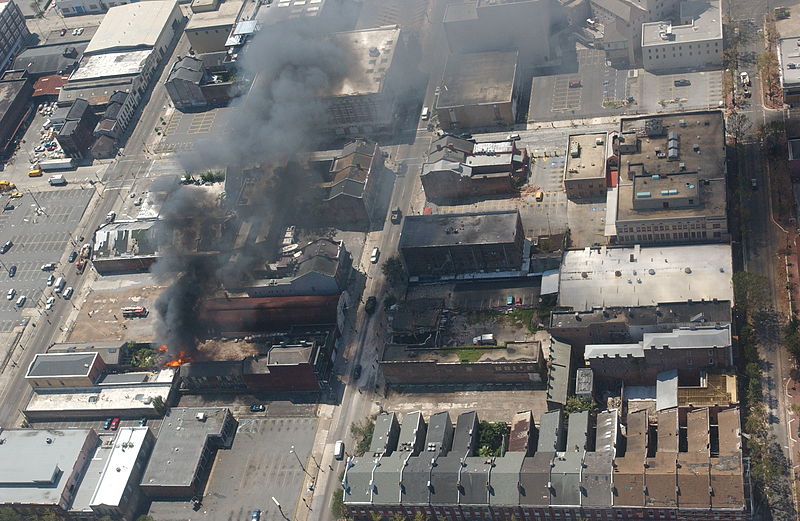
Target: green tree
pixel 420 516
pixel 491 437
pixel 738 126
pixel 393 270
pixel 577 403
pixel 337 504
pixel 362 433
pixel 750 292
pixel 159 405
pixel 144 358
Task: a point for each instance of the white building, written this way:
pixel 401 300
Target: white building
pixel 123 55
pixel 696 43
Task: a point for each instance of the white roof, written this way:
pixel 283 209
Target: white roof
pixel 98 401
pixel 608 277
pixel 131 26
pixel 549 282
pixel 117 472
pixel 684 338
pixel 120 63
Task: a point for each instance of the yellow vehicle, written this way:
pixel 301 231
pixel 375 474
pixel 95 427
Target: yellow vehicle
pixel 16 195
pixel 36 172
pixel 5 186
pixel 539 196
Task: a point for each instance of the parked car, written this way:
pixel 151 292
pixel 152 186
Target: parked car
pixel 48 267
pixel 373 258
pixel 338 450
pixel 357 372
pixel 754 184
pixel 50 303
pixel 6 246
pixel 68 293
pixel 114 424
pixel 510 300
pixel 257 407
pixel 10 294
pixel 255 515
pixel 110 216
pixel 745 78
pixel 519 301
pixel 513 137
pixel 12 271
pixel 574 84
pixel 72 256
pixel 396 216
pixel 465 135
pixel 21 301
pixel 682 82
pixel 426 113
pixel 142 422
pixel 107 423
pixel 370 305
pixel 50 279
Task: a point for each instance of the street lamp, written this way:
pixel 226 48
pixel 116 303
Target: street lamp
pixel 279 508
pixel 292 451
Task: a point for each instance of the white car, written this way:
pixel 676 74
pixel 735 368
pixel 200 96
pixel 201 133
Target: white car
pixel 513 137
pixel 21 301
pixel 50 303
pixel 67 292
pixel 375 254
pixel 745 78
pixel 11 293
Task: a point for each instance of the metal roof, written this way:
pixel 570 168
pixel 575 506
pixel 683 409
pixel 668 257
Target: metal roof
pixel 61 364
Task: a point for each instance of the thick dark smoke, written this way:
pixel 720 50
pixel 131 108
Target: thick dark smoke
pixel 289 65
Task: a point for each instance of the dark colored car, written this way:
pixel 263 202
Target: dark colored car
pixel 371 305
pixel 574 84
pixel 357 372
pixel 72 256
pixel 682 83
pixel 257 407
pixel 6 246
pixel 12 271
pixel 142 422
pixel 396 215
pixel 465 135
pixel 107 423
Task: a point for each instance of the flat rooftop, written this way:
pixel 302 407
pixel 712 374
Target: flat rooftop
pixel 517 352
pixel 605 276
pixel 699 313
pixel 692 185
pixel 126 239
pixel 591 160
pixel 789 57
pixel 61 364
pixel 132 26
pixel 702 20
pixel 180 443
pixel 428 231
pixel 120 464
pixel 224 16
pixel 280 10
pixel 478 79
pixel 36 463
pixel 9 90
pixel 110 64
pixel 371 52
pixel 96 401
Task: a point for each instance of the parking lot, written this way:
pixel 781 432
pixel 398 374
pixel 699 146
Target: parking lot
pixel 601 90
pixel 257 468
pixel 183 131
pixel 40 226
pixel 474 296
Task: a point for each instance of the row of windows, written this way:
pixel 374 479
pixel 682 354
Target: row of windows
pixel 666 227
pixel 453 514
pixel 667 236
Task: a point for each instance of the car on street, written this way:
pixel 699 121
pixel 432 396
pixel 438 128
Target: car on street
pixel 16 195
pixel 257 407
pixel 338 450
pixel 49 267
pixel 510 300
pixel 50 279
pixel 142 422
pixel 396 216
pixel 107 423
pixel 68 293
pixel 373 258
pixel 426 113
pixel 10 294
pixel 574 84
pixel 682 82
pixel 539 195
pixel 370 305
pixel 519 301
pixel 21 301
pixel 50 303
pixel 6 246
pixel 357 372
pixel 12 271
pixel 255 515
pixel 513 137
pixel 754 184
pixel 747 92
pixel 114 424
pixel 72 256
pixel 111 216
pixel 35 172
pixel 745 78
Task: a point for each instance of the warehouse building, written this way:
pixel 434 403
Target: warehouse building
pixel 447 245
pixel 123 55
pixel 585 167
pixel 208 30
pixel 65 370
pixel 672 186
pixel 478 90
pixel 187 442
pixel 15 96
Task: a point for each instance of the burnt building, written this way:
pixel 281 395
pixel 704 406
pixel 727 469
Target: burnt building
pixel 436 246
pixel 352 184
pixel 200 82
pixel 297 360
pixel 15 95
pixel 237 314
pixel 456 169
pixel 76 136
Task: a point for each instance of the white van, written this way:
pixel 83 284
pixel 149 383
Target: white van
pixel 60 283
pixel 338 450
pixel 375 254
pixel 426 113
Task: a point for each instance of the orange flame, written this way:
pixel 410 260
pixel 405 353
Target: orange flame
pixel 179 361
pixel 162 348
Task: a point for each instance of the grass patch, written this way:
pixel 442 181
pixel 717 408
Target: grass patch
pixel 468 355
